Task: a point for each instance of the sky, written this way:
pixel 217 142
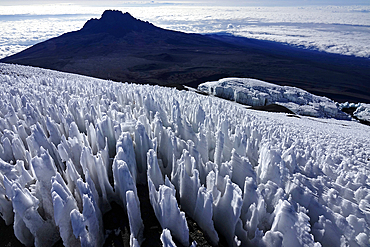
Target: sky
pixel 213 2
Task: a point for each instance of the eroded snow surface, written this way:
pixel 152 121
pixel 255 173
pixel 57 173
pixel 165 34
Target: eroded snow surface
pixel 71 145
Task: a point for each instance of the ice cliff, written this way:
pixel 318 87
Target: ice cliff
pixel 260 93
pixel 362 110
pixel 71 145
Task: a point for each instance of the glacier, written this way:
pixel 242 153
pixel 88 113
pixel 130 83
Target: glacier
pixel 362 110
pixel 72 145
pixel 255 92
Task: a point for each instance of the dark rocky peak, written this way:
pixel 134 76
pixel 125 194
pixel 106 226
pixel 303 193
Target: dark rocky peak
pixel 116 23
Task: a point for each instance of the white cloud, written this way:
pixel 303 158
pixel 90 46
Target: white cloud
pixel 21 32
pixel 335 29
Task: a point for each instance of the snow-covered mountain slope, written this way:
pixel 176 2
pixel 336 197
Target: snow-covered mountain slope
pixel 255 92
pixel 72 145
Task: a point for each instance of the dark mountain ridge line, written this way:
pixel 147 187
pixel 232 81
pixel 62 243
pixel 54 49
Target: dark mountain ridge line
pixel 120 47
pixel 111 22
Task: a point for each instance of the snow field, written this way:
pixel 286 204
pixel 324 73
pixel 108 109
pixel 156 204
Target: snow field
pixel 71 145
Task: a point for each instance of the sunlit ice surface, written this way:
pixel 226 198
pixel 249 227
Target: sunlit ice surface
pixel 71 146
pixel 334 29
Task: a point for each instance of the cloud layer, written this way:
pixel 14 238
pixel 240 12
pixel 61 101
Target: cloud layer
pixel 341 30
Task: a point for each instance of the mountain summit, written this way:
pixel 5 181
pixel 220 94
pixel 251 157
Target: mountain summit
pixel 119 47
pixel 116 23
